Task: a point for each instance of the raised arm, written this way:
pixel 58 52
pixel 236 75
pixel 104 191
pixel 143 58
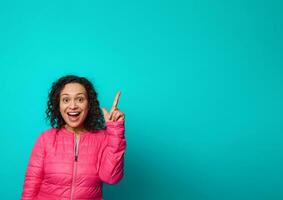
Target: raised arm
pixel 111 168
pixel 112 161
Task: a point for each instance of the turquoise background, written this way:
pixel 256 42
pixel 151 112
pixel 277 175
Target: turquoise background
pixel 201 85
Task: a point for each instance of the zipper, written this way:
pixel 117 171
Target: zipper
pixel 76 152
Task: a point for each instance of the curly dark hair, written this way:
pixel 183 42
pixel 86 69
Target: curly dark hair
pixel 94 120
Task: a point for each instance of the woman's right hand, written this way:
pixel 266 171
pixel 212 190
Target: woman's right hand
pixel 115 114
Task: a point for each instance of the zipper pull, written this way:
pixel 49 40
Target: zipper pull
pixel 76 158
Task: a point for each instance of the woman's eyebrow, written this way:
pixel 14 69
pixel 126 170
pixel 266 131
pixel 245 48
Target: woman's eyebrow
pixel 81 93
pixel 76 94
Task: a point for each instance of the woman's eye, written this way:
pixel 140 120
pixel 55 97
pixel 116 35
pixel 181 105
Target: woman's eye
pixel 80 99
pixel 65 100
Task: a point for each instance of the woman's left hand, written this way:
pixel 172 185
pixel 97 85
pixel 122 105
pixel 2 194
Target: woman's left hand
pixel 115 114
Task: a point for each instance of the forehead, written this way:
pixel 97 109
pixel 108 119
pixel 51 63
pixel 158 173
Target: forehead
pixel 73 89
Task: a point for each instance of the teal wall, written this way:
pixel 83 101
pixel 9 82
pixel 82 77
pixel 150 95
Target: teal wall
pixel 201 86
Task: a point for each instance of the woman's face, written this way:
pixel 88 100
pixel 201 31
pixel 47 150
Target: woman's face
pixel 74 105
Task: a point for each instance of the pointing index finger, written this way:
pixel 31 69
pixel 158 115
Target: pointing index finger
pixel 116 100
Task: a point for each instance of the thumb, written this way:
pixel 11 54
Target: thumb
pixel 105 113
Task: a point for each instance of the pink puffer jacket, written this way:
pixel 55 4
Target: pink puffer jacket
pixel 61 167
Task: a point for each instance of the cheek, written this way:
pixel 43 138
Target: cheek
pixel 85 107
pixel 62 108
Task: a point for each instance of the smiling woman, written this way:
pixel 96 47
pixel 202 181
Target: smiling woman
pixel 84 148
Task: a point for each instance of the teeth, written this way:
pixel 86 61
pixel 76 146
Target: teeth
pixel 73 113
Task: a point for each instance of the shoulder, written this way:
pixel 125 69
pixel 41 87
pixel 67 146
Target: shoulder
pixel 48 134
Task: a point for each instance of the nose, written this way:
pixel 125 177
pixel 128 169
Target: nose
pixel 73 104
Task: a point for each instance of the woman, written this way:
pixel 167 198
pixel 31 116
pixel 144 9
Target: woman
pixel 72 159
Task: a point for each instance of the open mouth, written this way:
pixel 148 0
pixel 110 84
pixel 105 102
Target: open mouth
pixel 73 116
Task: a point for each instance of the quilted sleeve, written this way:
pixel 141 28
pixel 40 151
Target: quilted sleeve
pixel 34 172
pixel 111 168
